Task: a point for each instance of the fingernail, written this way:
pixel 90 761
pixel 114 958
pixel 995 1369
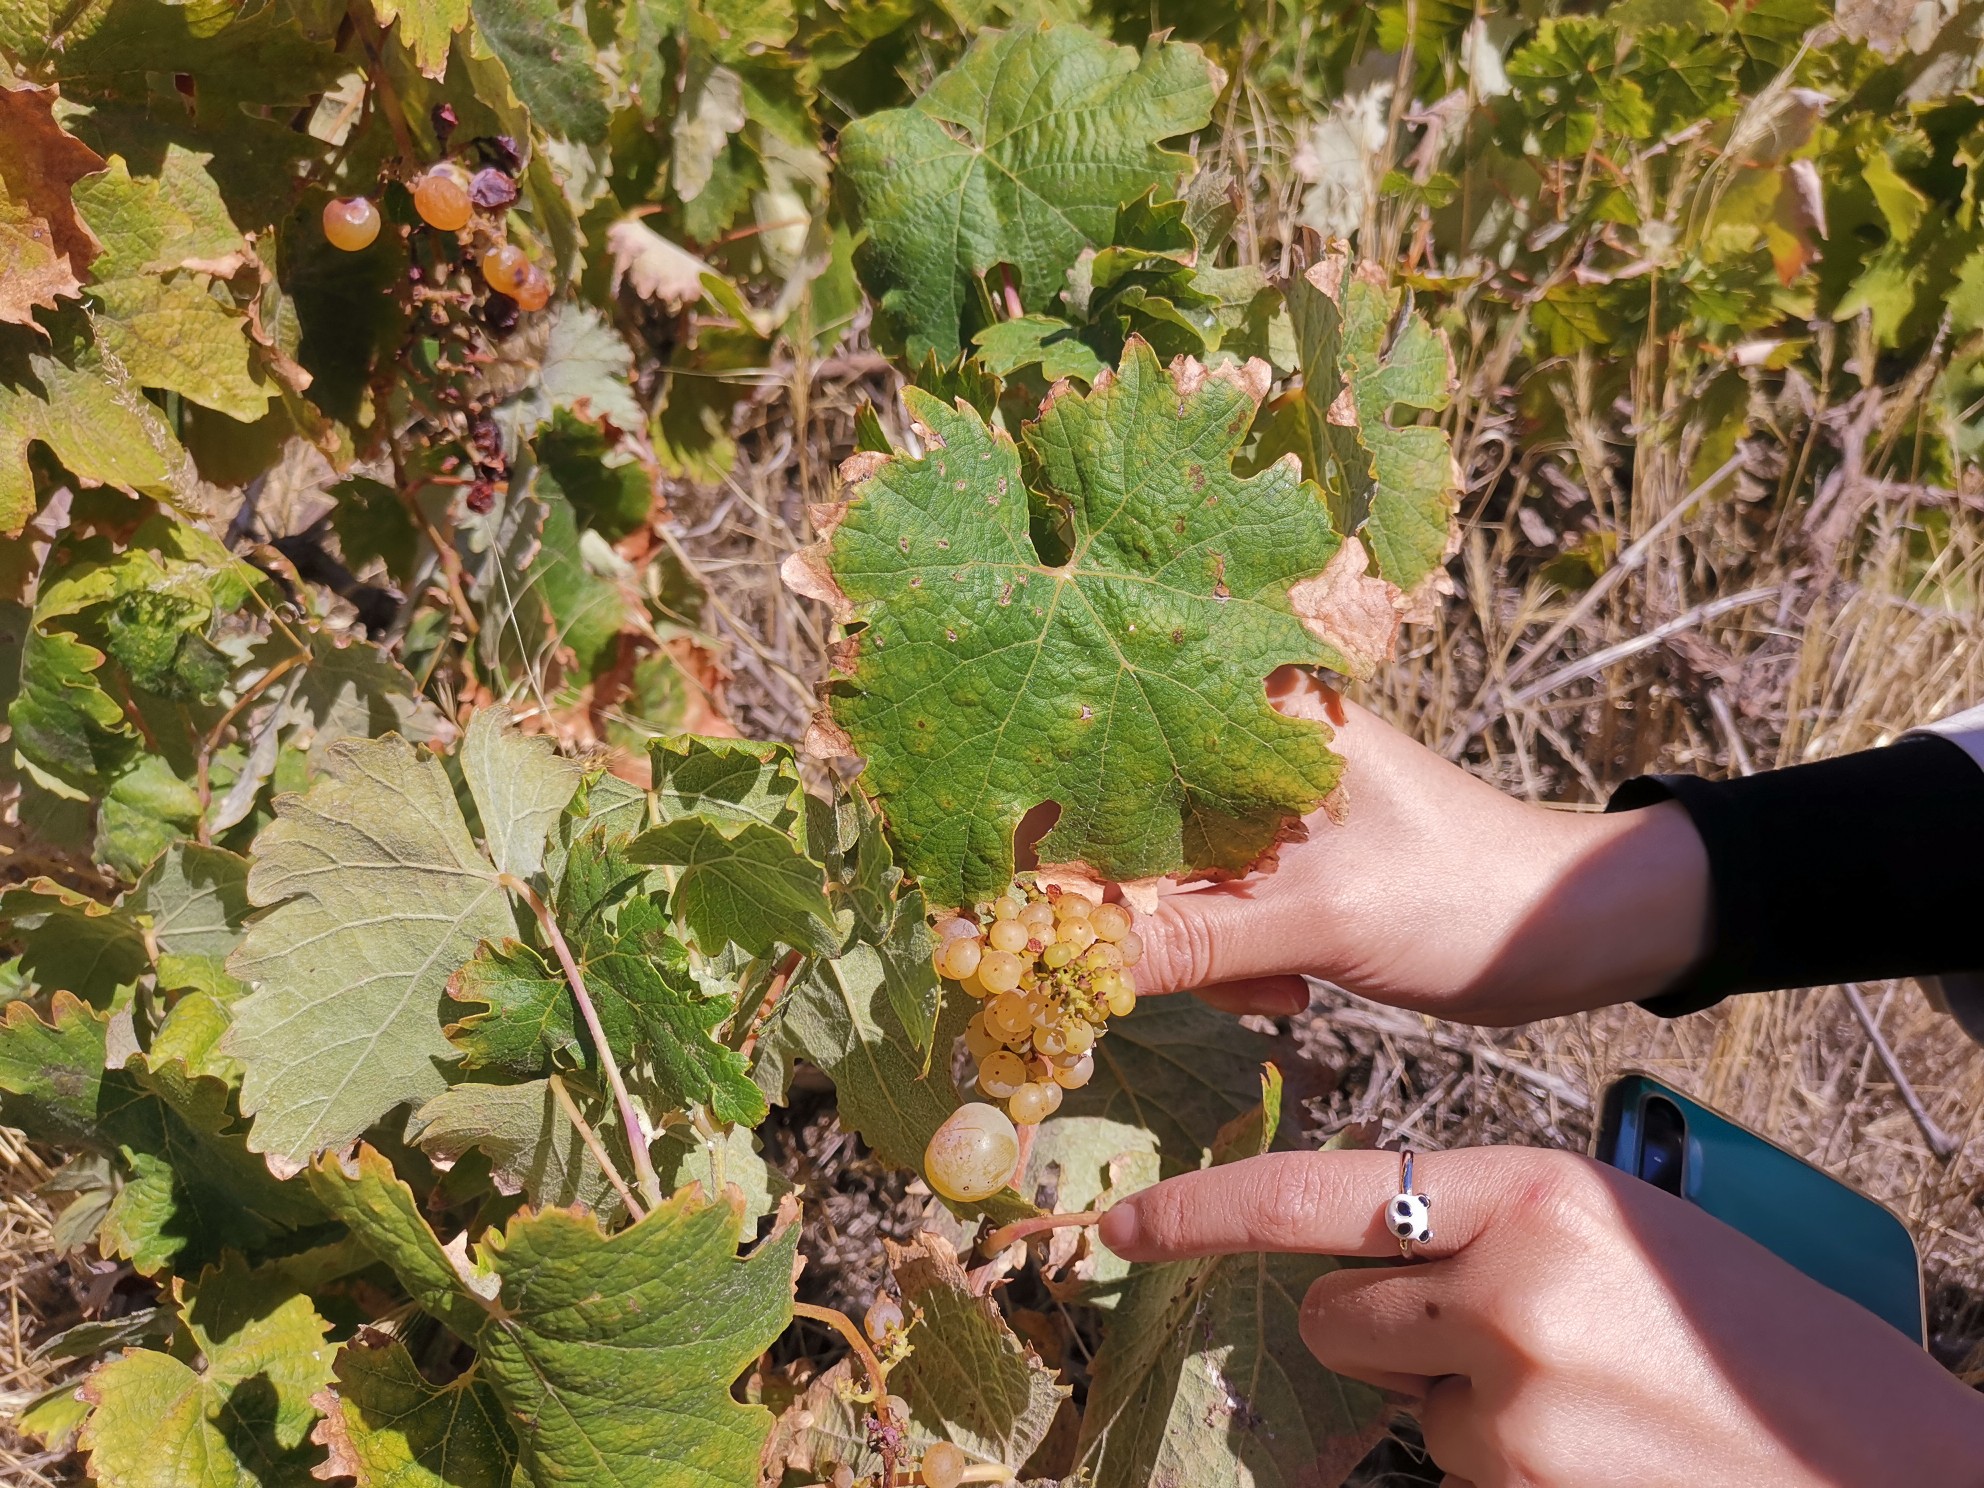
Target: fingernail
pixel 1118 1229
pixel 1295 1000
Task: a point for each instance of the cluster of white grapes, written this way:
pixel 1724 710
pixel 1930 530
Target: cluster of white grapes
pixel 1051 967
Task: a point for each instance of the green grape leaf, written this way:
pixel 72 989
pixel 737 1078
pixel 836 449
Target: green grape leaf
pixel 746 885
pixel 51 1072
pixel 71 942
pixel 734 1159
pixel 569 359
pixel 550 63
pixel 43 246
pixel 1202 1375
pixel 1009 346
pixel 89 414
pixel 386 1426
pixel 980 678
pixel 653 1013
pixel 522 786
pixel 376 894
pixel 730 781
pixel 63 722
pixel 426 28
pixel 164 238
pixel 231 1406
pixel 195 900
pixel 1020 154
pixel 1395 488
pixel 633 1391
pixel 351 689
pixel 532 1146
pixel 147 808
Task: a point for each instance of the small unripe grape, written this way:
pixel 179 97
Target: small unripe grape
pixel 1029 1104
pixel 1074 1076
pixel 1057 955
pixel 962 957
pixel 1008 1014
pixel 440 196
pixel 351 223
pixel 1077 1036
pixel 943 1466
pixel 1001 1074
pixel 841 1477
pixel 1111 921
pixel 1007 935
pixel 955 926
pixel 1076 932
pixel 1007 907
pixel 1073 907
pixel 1039 914
pixel 973 1154
pixel 1122 1001
pixel 1132 948
pixel 999 970
pixel 884 1316
pixel 534 293
pixel 979 1040
pixel 894 1408
pixel 503 268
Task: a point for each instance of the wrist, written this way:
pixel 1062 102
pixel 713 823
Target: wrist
pixel 1618 912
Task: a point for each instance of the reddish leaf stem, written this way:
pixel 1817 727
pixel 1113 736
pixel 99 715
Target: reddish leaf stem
pixel 644 1172
pixel 1040 1224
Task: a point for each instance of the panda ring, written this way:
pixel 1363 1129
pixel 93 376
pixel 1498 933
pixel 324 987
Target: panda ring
pixel 1408 1215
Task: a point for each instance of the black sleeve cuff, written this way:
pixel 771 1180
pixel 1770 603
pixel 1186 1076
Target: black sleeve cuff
pixel 1851 869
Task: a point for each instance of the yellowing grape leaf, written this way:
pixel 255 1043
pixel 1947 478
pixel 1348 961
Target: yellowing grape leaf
pixel 1394 487
pixel 522 783
pixel 377 894
pixel 1021 155
pixel 44 247
pixel 194 900
pixel 1203 1377
pixel 532 1146
pixel 230 1406
pixel 426 28
pixel 388 1427
pixel 981 677
pixel 612 1356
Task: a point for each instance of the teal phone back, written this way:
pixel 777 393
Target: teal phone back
pixel 1806 1217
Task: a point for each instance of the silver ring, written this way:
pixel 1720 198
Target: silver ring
pixel 1408 1215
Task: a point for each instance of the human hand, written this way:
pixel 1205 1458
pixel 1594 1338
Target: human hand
pixel 1573 1327
pixel 1439 893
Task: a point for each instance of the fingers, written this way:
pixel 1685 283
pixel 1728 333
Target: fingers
pixel 1270 997
pixel 1324 1203
pixel 1398 1328
pixel 1450 1424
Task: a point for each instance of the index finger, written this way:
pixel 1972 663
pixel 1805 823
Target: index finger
pixel 1321 1203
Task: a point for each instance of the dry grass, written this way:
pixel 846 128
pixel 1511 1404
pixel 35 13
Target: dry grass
pixel 35 1302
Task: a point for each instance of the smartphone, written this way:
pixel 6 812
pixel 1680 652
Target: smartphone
pixel 1834 1234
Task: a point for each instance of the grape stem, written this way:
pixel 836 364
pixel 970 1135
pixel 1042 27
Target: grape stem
pixel 598 1150
pixel 1040 1224
pixel 644 1173
pixel 212 741
pixel 878 1377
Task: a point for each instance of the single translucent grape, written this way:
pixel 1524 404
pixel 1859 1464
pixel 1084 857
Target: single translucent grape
pixel 1074 1076
pixel 1000 970
pixel 1057 955
pixel 1123 1001
pixel 973 987
pixel 1131 946
pixel 1007 907
pixel 955 926
pixel 1045 1012
pixel 1000 1074
pixel 440 196
pixel 1102 955
pixel 1051 1041
pixel 943 1466
pixel 841 1477
pixel 350 223
pixel 1039 913
pixel 884 1316
pixel 1073 907
pixel 962 957
pixel 1111 921
pixel 1041 935
pixel 1075 931
pixel 1029 1104
pixel 1039 1070
pixel 503 267
pixel 896 1409
pixel 534 293
pixel 979 1040
pixel 1007 935
pixel 1008 1014
pixel 1052 1087
pixel 1077 1036
pixel 973 1154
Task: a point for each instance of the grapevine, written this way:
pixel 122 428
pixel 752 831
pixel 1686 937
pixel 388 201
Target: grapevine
pixel 471 1060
